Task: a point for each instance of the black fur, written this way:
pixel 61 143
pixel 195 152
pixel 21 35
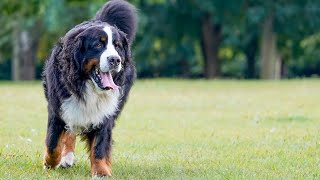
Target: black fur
pixel 121 14
pixel 55 127
pixel 65 75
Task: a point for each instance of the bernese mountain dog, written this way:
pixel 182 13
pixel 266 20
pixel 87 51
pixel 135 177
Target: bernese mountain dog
pixel 86 81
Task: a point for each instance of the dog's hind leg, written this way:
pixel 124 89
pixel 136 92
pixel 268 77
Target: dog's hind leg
pixel 54 142
pixel 69 141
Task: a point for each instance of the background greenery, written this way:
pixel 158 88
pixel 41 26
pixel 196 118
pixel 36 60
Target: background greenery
pixel 170 128
pixel 176 38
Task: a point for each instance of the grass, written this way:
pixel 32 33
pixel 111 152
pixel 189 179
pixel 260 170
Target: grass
pixel 181 129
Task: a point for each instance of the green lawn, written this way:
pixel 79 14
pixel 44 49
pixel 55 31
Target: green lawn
pixel 181 129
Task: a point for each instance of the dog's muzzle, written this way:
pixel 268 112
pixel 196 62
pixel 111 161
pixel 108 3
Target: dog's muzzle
pixel 114 62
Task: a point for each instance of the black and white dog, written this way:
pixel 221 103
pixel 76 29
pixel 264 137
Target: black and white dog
pixel 86 82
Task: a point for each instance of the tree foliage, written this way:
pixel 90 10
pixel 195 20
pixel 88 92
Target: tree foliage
pixel 171 40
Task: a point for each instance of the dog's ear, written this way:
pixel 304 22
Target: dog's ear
pixel 120 77
pixel 126 46
pixel 78 51
pixel 73 49
pixel 73 55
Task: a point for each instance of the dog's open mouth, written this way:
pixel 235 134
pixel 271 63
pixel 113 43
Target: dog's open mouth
pixel 103 79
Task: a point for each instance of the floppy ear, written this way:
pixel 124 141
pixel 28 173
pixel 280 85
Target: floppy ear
pixel 73 54
pixel 122 77
pixel 79 50
pixel 126 47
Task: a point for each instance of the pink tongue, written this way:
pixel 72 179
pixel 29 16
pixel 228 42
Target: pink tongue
pixel 107 81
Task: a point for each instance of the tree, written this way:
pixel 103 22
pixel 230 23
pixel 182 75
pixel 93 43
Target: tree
pixel 284 20
pixel 185 38
pixel 213 16
pixel 27 21
pixel 210 43
pixel 22 17
pixel 270 58
pixel 197 21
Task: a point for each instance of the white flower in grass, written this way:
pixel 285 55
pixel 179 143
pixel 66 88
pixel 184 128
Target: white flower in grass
pixel 272 130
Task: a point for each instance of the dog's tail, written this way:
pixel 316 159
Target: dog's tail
pixel 121 14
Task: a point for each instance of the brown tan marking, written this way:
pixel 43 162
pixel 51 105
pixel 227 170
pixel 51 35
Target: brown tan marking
pixel 69 141
pixel 52 160
pixel 90 64
pixel 100 167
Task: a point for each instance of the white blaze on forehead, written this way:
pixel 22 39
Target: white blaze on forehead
pixel 110 51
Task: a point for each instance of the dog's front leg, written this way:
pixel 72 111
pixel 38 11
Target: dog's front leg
pixel 54 142
pixel 100 150
pixel 69 141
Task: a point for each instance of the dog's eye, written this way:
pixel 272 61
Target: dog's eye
pixel 99 45
pixel 117 45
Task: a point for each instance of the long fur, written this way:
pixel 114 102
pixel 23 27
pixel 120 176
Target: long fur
pixel 121 14
pixel 68 88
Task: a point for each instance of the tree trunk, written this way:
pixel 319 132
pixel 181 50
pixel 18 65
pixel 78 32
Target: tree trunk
pixel 277 67
pixel 16 51
pixel 25 43
pixel 270 59
pixel 211 39
pixel 251 50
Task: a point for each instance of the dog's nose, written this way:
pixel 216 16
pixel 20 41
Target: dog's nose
pixel 114 60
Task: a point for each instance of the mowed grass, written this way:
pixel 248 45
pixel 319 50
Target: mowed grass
pixel 181 129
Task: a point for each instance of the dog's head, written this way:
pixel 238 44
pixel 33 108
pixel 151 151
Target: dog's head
pixel 98 53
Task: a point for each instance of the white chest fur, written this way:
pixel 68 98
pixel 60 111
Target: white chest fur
pixel 79 114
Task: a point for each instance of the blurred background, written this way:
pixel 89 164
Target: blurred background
pixel 240 39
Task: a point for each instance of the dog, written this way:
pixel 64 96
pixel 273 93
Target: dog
pixel 86 80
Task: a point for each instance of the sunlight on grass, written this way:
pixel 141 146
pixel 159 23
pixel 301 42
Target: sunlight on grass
pixel 177 129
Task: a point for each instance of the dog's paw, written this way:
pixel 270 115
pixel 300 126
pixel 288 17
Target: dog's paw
pixel 68 160
pixel 100 177
pixel 101 172
pixel 46 166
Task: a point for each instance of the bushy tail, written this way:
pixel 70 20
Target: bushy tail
pixel 121 14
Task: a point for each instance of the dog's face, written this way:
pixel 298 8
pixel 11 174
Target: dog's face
pixel 101 55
